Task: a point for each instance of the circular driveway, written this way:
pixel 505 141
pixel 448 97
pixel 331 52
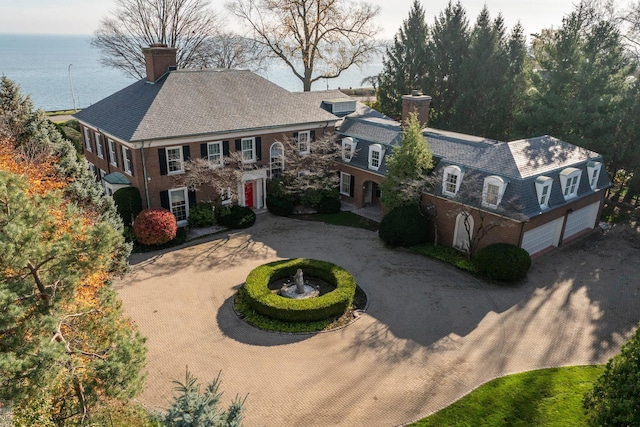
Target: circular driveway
pixel 430 334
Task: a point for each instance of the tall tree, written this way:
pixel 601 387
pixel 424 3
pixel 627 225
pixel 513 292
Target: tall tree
pixel 405 63
pixel 316 39
pixel 187 25
pixel 407 167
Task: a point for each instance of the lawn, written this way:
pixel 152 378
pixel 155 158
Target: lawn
pixel 346 218
pixel 546 397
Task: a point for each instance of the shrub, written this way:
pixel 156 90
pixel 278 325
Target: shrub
pixel 236 217
pixel 503 262
pixel 332 304
pixel 155 226
pixel 281 206
pixel 128 203
pixel 404 226
pixel 201 215
pixel 328 205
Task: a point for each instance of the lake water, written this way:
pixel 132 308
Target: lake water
pixel 47 67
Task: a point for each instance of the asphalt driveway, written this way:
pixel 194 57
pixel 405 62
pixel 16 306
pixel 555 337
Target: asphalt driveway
pixel 430 334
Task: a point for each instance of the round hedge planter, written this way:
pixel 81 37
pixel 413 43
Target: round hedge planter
pixel 267 303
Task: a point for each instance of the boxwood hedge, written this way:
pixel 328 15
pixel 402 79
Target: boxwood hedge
pixel 503 262
pixel 331 304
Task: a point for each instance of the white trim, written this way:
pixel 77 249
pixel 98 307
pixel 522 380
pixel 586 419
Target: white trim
pixel 220 161
pixel 251 151
pixel 127 165
pixel 304 146
pixel 185 193
pixel 343 176
pixel 99 146
pixel 348 148
pixel 543 190
pixel 492 199
pixel 87 139
pixel 276 159
pixel 453 172
pixel 179 161
pixel 593 172
pixel 570 182
pixel 376 153
pixel 113 152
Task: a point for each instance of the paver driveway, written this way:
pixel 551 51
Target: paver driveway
pixel 430 334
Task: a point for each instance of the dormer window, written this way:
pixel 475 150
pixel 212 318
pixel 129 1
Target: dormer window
pixel 348 148
pixel 451 180
pixel 543 190
pixel 570 181
pixel 492 191
pixel 375 156
pixel 593 168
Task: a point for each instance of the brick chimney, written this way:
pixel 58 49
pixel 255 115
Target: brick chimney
pixel 416 102
pixel 158 58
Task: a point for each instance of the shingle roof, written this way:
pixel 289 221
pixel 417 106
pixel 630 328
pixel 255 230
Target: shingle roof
pixel 197 102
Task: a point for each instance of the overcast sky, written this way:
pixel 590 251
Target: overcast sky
pixel 83 16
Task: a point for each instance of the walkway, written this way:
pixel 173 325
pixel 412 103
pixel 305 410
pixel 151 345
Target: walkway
pixel 430 335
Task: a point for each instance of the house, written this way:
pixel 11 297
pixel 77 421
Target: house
pixel 142 135
pixel 535 193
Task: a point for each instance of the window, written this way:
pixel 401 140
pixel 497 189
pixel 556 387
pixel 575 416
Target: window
pixel 493 191
pixel 452 177
pixel 375 156
pixel 345 184
pixel 214 153
pixel 127 160
pixel 593 168
pixel 303 142
pixel 226 197
pixel 248 150
pixel 178 203
pixel 348 146
pixel 174 160
pixel 113 156
pixel 276 159
pixel 543 190
pixel 570 181
pixel 87 139
pixel 99 146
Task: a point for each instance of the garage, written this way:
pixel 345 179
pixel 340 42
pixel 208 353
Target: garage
pixel 542 237
pixel 580 220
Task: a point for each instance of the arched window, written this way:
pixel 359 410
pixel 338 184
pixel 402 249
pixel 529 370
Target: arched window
pixel 276 160
pixel 451 180
pixel 492 191
pixel 570 181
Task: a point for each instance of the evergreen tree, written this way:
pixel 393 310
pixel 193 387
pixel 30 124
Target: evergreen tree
pixel 406 167
pixel 14 109
pixel 405 63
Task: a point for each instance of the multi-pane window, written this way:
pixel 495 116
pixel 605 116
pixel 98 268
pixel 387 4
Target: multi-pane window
pixel 570 181
pixel 451 180
pixel 543 190
pixel 174 160
pixel 570 187
pixel 451 183
pixel 345 184
pixel 375 159
pixel 492 191
pixel 99 146
pixel 276 159
pixel 492 194
pixel 347 149
pixel 214 153
pixel 593 168
pixel 375 156
pixel 303 142
pixel 113 157
pixel 248 150
pixel 127 161
pixel 544 197
pixel 178 203
pixel 87 139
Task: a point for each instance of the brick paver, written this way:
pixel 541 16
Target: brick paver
pixel 430 334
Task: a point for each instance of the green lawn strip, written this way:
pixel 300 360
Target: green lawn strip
pixel 545 397
pixel 448 255
pixel 345 218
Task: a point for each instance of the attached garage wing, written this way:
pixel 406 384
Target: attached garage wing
pixel 580 220
pixel 542 237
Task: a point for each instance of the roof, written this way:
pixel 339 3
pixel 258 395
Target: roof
pixel 199 102
pixel 116 178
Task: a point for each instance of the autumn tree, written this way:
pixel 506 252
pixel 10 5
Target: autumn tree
pixel 316 39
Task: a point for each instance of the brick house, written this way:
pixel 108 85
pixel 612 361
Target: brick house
pixel 535 193
pixel 142 135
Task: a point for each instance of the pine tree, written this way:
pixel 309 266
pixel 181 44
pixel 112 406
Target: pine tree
pixel 405 63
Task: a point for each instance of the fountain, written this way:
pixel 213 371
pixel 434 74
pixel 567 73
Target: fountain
pixel 299 289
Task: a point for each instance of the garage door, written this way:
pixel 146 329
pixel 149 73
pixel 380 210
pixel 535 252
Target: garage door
pixel 580 220
pixel 542 237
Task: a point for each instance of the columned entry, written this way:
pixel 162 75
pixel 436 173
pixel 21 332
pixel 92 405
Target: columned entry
pixel 253 189
pixel 248 194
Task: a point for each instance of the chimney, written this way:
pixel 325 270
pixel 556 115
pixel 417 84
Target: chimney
pixel 158 59
pixel 416 102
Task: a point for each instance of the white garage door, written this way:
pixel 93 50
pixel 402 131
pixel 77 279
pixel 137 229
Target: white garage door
pixel 542 237
pixel 581 219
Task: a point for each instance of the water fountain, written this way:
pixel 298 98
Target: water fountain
pixel 299 289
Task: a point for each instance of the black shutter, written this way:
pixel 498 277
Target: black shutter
pixel 130 157
pixel 204 151
pixel 116 149
pixel 186 153
pixel 258 148
pixel 162 158
pixel 164 199
pixel 225 148
pixel 191 195
pixel 352 185
pixel 238 145
pixel 295 136
pixel 312 135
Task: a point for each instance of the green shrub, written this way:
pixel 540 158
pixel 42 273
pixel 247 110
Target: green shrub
pixel 503 262
pixel 155 226
pixel 281 206
pixel 201 215
pixel 328 205
pixel 236 217
pixel 332 304
pixel 128 203
pixel 404 226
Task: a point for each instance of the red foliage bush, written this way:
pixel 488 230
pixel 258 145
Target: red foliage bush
pixel 155 226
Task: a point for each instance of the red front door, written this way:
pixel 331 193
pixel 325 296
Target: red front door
pixel 248 194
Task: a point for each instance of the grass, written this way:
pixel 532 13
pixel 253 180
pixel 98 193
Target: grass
pixel 546 397
pixel 446 254
pixel 344 218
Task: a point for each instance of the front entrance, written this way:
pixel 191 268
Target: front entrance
pixel 370 194
pixel 248 194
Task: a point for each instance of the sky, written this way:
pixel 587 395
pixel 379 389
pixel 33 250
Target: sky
pixel 83 16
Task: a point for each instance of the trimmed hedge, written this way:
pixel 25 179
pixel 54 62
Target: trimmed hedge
pixel 328 205
pixel 236 217
pixel 155 226
pixel 281 206
pixel 503 262
pixel 332 304
pixel 201 215
pixel 128 203
pixel 404 226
